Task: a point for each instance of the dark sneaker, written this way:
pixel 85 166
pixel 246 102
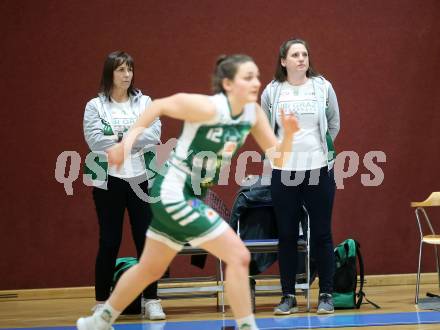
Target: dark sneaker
pixel 286 306
pixel 325 304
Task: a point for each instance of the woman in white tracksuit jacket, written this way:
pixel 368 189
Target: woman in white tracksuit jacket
pixel 307 177
pixel 107 118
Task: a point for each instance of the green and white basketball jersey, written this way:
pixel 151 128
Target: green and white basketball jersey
pixel 203 148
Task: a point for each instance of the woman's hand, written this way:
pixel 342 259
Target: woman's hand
pixel 116 155
pixel 289 123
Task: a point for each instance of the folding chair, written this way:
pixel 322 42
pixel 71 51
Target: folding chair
pixel 270 246
pixel 427 233
pixel 262 246
pixel 217 204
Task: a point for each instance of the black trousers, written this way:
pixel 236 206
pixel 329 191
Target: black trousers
pixel 316 191
pixel 110 206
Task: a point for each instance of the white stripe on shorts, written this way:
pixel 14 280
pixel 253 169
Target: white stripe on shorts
pixel 186 210
pixel 189 219
pixel 165 240
pixel 221 228
pixel 175 207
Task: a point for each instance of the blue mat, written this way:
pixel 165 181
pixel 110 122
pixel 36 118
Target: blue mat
pixel 289 322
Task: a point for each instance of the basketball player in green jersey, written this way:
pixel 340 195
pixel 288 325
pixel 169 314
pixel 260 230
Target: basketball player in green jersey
pixel 214 128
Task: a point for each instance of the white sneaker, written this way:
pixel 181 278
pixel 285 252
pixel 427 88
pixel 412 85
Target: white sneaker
pixel 152 309
pixel 95 322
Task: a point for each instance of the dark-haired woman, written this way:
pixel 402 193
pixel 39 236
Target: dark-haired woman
pixel 107 118
pixel 306 178
pixel 214 128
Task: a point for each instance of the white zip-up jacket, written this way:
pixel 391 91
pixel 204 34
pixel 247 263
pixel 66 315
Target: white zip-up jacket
pixel 329 121
pixel 100 135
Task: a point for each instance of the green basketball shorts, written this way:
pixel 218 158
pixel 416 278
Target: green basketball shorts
pixel 179 217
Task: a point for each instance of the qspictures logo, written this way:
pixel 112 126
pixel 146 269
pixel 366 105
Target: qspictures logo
pixel 69 166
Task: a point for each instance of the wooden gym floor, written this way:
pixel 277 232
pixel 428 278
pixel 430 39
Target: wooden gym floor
pixel 397 311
